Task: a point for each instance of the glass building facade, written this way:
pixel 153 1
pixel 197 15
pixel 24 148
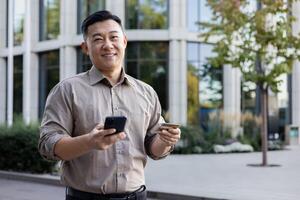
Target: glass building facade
pixel 163 50
pixel 18 85
pixel 86 7
pixel 148 61
pixel 49 19
pixel 48 75
pixel 147 14
pixel 207 95
pixel 19 14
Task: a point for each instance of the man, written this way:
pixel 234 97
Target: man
pixel 97 164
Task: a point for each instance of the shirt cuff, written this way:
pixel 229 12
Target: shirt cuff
pixel 148 143
pixel 47 144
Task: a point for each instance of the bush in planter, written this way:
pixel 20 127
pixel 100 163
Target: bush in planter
pixel 195 140
pixel 191 138
pixel 18 149
pixel 251 130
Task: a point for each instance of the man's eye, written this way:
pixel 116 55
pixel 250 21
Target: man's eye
pixel 114 37
pixel 97 39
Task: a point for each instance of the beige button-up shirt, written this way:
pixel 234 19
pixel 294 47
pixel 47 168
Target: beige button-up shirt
pixel 77 104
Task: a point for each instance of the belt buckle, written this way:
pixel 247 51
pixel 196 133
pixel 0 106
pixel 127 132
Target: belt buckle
pixel 119 198
pixel 127 197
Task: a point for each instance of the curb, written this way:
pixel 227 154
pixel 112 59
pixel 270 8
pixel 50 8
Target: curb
pixel 55 180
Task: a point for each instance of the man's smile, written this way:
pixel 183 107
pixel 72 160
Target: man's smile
pixel 109 55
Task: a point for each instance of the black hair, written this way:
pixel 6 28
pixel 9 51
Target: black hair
pixel 98 16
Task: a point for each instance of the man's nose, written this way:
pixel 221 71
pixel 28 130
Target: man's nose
pixel 107 44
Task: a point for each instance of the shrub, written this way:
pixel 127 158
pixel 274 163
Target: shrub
pixel 18 149
pixel 191 138
pixel 195 140
pixel 251 130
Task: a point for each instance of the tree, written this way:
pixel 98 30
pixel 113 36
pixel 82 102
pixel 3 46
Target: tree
pixel 259 42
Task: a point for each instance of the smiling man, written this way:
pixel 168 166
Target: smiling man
pixel 99 163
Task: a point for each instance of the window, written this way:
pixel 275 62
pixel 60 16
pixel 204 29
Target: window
pixel 197 10
pixel 18 86
pixel 83 61
pixel 19 15
pixel 147 14
pixel 6 88
pixel 148 61
pixel 48 76
pixel 248 97
pixel 49 19
pixel 87 7
pixel 205 90
pixel 278 105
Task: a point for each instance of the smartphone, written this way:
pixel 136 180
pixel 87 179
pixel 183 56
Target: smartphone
pixel 116 122
pixel 170 125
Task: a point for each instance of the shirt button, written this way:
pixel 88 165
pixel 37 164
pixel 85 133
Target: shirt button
pixel 120 151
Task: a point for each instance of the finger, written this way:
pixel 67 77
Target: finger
pixel 106 132
pixel 99 126
pixel 168 139
pixel 167 142
pixel 174 131
pixel 113 138
pixel 120 135
pixel 169 134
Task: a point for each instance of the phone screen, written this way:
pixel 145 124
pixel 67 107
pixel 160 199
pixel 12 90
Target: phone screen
pixel 116 122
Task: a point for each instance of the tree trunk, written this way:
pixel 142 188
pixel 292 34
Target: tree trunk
pixel 264 125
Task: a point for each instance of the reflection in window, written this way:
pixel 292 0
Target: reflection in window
pixel 49 19
pixel 48 76
pixel 197 10
pixel 19 14
pixel 147 14
pixel 248 97
pixel 205 90
pixel 83 61
pixel 148 61
pixel 18 86
pixel 87 7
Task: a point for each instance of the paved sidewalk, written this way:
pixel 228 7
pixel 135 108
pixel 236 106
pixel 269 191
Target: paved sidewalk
pixel 227 176
pixel 211 176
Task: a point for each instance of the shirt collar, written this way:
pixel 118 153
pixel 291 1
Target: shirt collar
pixel 96 76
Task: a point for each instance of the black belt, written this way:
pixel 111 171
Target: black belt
pixel 138 194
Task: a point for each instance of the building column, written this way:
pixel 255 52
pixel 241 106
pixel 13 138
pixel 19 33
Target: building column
pixel 30 63
pixel 67 62
pixel 2 91
pixel 3 28
pixel 27 63
pixel 177 63
pixel 10 64
pixel 34 88
pixel 296 72
pixel 117 7
pixel 232 98
pixel 68 26
pixel 3 64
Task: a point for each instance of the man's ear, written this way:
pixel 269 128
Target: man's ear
pixel 125 40
pixel 84 48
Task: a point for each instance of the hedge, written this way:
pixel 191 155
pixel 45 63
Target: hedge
pixel 18 149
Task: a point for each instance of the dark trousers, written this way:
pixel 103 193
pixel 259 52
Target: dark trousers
pixel 73 194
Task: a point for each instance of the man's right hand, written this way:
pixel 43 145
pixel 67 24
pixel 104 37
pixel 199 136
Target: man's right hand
pixel 68 148
pixel 100 138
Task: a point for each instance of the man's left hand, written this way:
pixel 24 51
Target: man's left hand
pixel 170 136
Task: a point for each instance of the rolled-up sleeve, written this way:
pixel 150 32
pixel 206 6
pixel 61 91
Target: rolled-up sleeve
pixel 156 120
pixel 57 120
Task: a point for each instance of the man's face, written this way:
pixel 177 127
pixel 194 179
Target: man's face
pixel 105 44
